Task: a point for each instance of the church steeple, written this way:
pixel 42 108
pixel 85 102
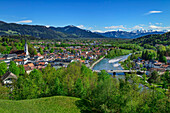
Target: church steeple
pixel 26 48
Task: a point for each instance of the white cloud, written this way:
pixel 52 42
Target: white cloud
pixel 116 27
pixel 24 21
pixel 90 28
pixel 81 27
pixel 158 27
pixel 154 27
pixel 153 12
pixel 121 27
pixel 137 27
pixel 98 31
pixel 158 23
pixel 142 24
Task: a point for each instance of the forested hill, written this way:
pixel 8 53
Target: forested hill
pixel 73 30
pixel 153 39
pixel 45 32
pixel 32 30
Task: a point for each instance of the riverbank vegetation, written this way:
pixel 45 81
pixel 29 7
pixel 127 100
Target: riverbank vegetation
pixel 149 55
pixel 129 46
pixel 117 52
pixel 154 79
pixel 127 64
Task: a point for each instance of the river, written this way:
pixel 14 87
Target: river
pixel 111 64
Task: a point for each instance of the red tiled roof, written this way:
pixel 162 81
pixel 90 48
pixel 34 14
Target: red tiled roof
pixel 40 67
pixel 165 66
pixel 157 69
pixel 2 58
pixel 18 60
pixel 38 54
pixel 26 67
pixel 159 63
pixel 30 64
pixel 41 63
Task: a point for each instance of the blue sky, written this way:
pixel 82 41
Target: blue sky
pixel 95 15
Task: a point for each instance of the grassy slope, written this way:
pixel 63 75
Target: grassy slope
pixel 57 104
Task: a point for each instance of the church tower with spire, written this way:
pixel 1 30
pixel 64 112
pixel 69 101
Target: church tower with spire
pixel 26 48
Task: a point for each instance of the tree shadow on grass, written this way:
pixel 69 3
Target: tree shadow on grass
pixel 85 106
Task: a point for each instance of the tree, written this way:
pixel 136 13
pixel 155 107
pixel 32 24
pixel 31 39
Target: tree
pixel 141 65
pixel 5 44
pixel 82 58
pixel 103 75
pixel 143 54
pixel 73 51
pixel 32 50
pixel 144 77
pixel 3 49
pixel 3 68
pixel 61 50
pixel 41 51
pixel 143 69
pixel 22 70
pixel 4 92
pixel 161 50
pixel 163 59
pixel 154 77
pixel 52 50
pixel 146 55
pixel 78 88
pixel 59 89
pixel 166 79
pixel 45 49
pixel 14 68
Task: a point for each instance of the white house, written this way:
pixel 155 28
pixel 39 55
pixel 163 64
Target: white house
pixel 8 78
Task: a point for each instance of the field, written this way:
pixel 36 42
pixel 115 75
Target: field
pixel 56 104
pixel 125 51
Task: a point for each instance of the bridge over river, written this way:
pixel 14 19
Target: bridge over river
pixel 120 71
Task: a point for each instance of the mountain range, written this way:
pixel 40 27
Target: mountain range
pixel 32 30
pixel 75 31
pixel 70 31
pixel 130 35
pixel 46 32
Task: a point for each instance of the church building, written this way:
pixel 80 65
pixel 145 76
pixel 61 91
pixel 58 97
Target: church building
pixel 21 52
